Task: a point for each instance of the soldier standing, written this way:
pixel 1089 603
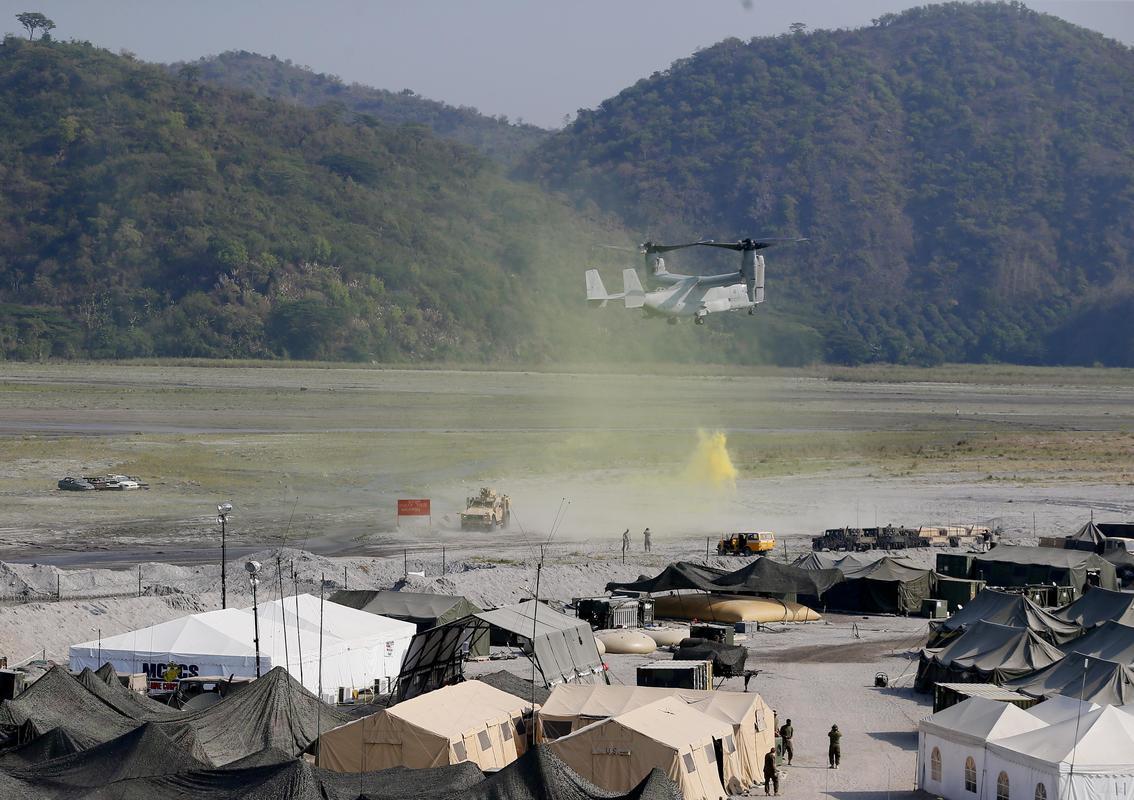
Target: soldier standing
pixel 771 779
pixel 834 751
pixel 646 537
pixel 786 732
pixel 625 542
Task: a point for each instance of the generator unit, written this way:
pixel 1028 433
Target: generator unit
pixel 645 612
pixel 934 608
pixel 677 674
pixel 722 634
pixel 605 613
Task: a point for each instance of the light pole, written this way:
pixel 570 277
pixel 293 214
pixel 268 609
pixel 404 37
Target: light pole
pixel 223 510
pixel 253 567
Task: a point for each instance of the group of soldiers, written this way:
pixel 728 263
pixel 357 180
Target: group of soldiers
pixel 626 540
pixel 772 777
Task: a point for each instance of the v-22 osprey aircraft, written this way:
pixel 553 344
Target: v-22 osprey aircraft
pixel 694 296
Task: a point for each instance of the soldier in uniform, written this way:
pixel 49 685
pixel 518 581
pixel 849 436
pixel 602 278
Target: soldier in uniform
pixel 646 537
pixel 834 751
pixel 786 732
pixel 771 779
pixel 625 542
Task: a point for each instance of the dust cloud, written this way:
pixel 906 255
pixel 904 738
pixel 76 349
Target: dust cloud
pixel 711 464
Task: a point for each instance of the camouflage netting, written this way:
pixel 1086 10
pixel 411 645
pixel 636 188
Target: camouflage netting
pixel 109 689
pixel 143 752
pixel 272 712
pixel 53 744
pixel 58 700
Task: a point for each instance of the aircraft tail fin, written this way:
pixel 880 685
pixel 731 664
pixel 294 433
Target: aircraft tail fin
pixel 632 289
pixel 596 292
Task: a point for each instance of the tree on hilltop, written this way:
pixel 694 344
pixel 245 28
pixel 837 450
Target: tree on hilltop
pixel 34 21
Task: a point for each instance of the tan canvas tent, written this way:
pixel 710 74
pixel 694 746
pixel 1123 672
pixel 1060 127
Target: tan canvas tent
pixel 468 721
pixel 696 751
pixel 571 707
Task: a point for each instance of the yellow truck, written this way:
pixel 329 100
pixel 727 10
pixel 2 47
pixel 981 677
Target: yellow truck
pixel 746 544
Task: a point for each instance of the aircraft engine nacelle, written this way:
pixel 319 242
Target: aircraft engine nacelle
pixel 752 271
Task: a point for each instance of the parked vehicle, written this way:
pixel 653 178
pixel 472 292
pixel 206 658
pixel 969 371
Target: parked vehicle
pixel 746 544
pixel 76 484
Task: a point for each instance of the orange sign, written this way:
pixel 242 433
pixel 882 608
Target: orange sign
pixel 413 508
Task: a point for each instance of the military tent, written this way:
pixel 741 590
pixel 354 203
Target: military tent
pixel 541 775
pixel 142 752
pixel 985 653
pixel 53 744
pixel 128 703
pixel 1098 606
pixel 1123 563
pixel 764 576
pixel 1060 707
pixel 1111 640
pixel 951 743
pixel 1088 538
pixel 562 647
pixel 422 609
pixel 1082 758
pixel 1082 677
pixel 1004 608
pixel 358 649
pixel 697 752
pixel 885 586
pixel 676 576
pixel 570 708
pixel 58 700
pixel 1016 565
pixel 469 721
pixel 275 711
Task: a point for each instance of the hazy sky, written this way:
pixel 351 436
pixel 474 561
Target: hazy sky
pixel 532 59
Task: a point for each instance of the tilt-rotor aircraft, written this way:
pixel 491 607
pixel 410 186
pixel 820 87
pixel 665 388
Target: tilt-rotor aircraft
pixel 694 296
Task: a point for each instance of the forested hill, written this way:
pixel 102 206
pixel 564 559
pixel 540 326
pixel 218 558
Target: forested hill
pixel 965 173
pixel 503 141
pixel 147 214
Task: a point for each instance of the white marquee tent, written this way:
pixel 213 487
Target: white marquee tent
pixel 1087 757
pixel 951 743
pixel 358 647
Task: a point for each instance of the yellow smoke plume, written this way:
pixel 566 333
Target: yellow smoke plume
pixel 711 464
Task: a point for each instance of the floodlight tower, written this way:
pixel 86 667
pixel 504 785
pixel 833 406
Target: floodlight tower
pixel 253 569
pixel 223 510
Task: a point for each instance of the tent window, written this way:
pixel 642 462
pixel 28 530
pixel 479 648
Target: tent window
pixel 485 742
pixel 460 752
pixel 710 754
pixel 505 732
pixel 935 765
pixel 689 765
pixel 1002 786
pixel 970 775
pixel 1041 792
pixel 730 744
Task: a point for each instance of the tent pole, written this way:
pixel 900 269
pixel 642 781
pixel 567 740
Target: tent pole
pixel 535 617
pixel 283 613
pixel 298 640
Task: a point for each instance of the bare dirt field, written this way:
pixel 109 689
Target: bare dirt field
pixel 316 457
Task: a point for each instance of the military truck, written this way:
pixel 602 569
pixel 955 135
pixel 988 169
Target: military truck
pixel 486 511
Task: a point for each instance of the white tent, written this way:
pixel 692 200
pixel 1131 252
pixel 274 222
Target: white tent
pixel 1060 707
pixel 1087 757
pixel 358 648
pixel 951 743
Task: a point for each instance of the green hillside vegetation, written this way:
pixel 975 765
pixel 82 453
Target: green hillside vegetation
pixel 146 214
pixel 502 141
pixel 964 171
